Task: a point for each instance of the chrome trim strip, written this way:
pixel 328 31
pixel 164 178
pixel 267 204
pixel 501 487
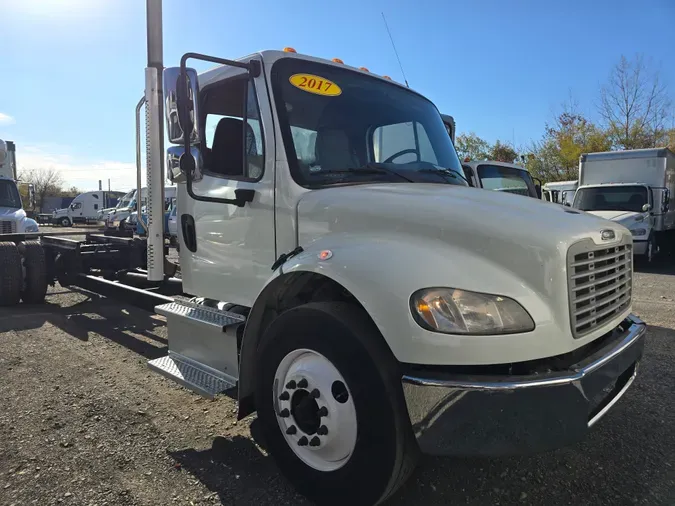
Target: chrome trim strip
pixel 635 332
pixel 611 403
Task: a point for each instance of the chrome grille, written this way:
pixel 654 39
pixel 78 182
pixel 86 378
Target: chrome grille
pixel 7 227
pixel 600 284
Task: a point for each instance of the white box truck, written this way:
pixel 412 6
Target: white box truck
pixel 635 188
pixel 85 207
pixel 13 218
pixel 367 307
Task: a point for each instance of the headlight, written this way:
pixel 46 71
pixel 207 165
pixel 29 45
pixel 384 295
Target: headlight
pixel 454 311
pixel 638 231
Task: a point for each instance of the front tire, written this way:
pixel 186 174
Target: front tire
pixel 11 274
pixel 35 264
pixel 65 222
pixel 652 249
pixel 352 442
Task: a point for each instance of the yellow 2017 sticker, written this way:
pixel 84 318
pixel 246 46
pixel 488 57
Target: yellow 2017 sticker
pixel 315 84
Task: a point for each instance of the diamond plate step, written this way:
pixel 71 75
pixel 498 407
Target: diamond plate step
pixel 193 375
pixel 200 314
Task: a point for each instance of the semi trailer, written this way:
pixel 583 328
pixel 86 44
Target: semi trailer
pixel 365 307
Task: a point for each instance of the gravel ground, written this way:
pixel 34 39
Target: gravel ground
pixel 84 422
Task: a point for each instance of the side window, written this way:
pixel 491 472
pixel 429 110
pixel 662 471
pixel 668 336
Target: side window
pixel 409 138
pixel 232 133
pixel 95 207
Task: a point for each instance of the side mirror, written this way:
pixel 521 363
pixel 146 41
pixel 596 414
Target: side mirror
pixel 181 105
pixel 666 200
pixel 178 166
pixel 646 208
pixel 449 123
pixel 3 151
pixel 537 188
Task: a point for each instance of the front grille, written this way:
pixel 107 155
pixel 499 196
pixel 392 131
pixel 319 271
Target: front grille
pixel 7 227
pixel 600 284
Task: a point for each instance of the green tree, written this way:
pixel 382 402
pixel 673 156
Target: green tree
pixel 471 146
pixel 502 153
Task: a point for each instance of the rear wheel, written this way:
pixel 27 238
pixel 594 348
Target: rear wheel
pixel 35 264
pixel 11 274
pixel 329 399
pixel 65 221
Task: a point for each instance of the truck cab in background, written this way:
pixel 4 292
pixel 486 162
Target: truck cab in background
pixel 13 218
pixel 559 192
pixel 502 177
pixel 635 188
pixel 85 207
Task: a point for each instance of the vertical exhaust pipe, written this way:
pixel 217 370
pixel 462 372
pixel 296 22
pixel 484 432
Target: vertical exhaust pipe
pixel 154 142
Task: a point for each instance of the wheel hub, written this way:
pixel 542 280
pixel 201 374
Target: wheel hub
pixel 315 410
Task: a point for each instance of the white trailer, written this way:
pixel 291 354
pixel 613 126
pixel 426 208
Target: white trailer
pixel 559 192
pixel 635 188
pixel 367 307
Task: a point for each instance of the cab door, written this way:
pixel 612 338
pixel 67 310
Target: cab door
pixel 227 251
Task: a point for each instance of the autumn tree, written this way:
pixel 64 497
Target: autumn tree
pixel 502 153
pixel 471 146
pixel 635 105
pixel 46 183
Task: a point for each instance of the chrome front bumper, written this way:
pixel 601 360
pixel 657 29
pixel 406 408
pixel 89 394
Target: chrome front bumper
pixel 499 414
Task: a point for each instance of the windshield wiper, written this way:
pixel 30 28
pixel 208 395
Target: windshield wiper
pixel 446 172
pixel 369 168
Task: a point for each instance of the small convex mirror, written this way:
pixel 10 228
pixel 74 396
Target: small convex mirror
pixel 646 208
pixel 181 109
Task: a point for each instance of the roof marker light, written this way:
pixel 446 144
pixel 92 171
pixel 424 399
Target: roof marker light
pixel 337 60
pixel 364 69
pixel 387 78
pixel 289 50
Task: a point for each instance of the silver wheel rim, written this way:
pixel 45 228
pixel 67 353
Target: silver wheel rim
pixel 315 410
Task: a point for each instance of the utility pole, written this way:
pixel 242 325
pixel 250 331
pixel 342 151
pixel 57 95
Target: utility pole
pixel 154 141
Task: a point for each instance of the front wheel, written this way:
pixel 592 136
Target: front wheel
pixel 652 249
pixel 65 222
pixel 329 399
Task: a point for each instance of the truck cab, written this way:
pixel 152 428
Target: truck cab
pixel 560 192
pixel 13 218
pixel 501 177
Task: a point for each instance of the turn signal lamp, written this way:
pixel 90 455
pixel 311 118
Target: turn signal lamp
pixel 337 60
pixel 289 50
pixel 467 159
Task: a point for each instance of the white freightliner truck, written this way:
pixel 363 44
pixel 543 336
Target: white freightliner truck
pixel 365 309
pixel 635 188
pixel 13 217
pixel 502 177
pixel 86 207
pixel 560 192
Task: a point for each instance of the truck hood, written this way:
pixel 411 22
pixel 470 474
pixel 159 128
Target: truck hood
pixel 12 213
pixel 623 217
pixel 442 211
pixel 60 212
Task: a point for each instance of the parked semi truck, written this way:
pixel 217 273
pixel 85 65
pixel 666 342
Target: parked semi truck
pixel 85 207
pixel 560 192
pixel 635 188
pixel 501 176
pixel 13 217
pixel 366 308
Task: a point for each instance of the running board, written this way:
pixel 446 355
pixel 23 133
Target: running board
pixel 197 377
pixel 203 353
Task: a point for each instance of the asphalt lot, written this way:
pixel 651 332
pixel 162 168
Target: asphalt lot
pixel 83 422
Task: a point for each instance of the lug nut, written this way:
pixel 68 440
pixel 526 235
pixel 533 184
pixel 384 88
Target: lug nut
pixel 284 413
pixel 291 430
pixel 315 394
pixel 315 441
pixel 284 396
pixel 302 441
pixel 303 383
pixel 322 431
pixel 291 385
pixel 323 411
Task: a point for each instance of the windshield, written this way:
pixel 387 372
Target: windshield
pixel 9 195
pixel 506 179
pixel 611 198
pixel 344 126
pixel 126 200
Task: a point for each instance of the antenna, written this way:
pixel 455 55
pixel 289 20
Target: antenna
pixel 395 52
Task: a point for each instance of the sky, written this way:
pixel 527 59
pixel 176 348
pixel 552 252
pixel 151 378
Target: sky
pixel 72 71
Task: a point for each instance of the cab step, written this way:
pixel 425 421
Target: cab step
pixel 203 354
pixel 193 375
